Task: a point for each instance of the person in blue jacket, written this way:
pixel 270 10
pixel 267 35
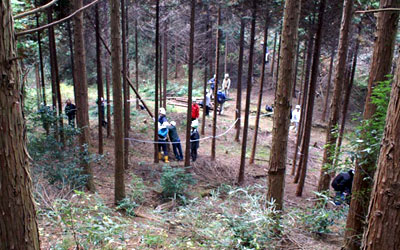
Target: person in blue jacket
pixel 221 98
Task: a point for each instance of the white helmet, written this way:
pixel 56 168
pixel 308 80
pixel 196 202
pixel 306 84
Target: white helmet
pixel 173 123
pixel 297 106
pixel 195 124
pixel 226 75
pixel 162 111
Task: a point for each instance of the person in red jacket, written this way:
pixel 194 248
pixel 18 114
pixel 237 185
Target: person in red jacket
pixel 195 110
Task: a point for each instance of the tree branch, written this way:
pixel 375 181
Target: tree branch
pixel 38 9
pixel 56 22
pixel 377 10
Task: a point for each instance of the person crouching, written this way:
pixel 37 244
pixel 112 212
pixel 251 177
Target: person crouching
pixel 162 141
pixel 194 140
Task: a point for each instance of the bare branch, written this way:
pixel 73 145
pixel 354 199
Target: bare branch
pixel 38 9
pixel 377 10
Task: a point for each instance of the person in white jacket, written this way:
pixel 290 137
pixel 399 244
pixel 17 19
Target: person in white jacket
pixel 226 85
pixel 296 118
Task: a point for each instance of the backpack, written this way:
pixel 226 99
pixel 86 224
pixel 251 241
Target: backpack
pixel 162 133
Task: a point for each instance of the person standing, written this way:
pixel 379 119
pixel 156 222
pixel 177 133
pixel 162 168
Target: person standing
pixel 194 140
pixel 102 108
pixel 162 141
pixel 212 85
pixel 70 112
pixel 162 116
pixel 226 85
pixel 176 141
pixel 195 110
pixel 296 118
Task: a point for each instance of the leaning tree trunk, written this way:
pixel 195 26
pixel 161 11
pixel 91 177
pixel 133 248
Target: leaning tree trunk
pixel 100 91
pixel 280 132
pixel 119 183
pixel 214 130
pixel 239 81
pixel 82 93
pixel 248 94
pixel 365 164
pixel 384 214
pixel 311 98
pixel 260 93
pixel 340 69
pixel 328 87
pixel 18 228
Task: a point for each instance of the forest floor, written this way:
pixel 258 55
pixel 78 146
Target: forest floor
pixel 160 223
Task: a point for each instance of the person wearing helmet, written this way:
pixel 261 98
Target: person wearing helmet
pixel 194 140
pixel 162 139
pixel 195 110
pixel 296 118
pixel 342 184
pixel 226 85
pixel 162 116
pixel 212 84
pixel 176 141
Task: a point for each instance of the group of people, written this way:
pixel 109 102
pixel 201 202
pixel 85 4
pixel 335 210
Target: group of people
pixel 222 94
pixel 168 130
pixel 70 112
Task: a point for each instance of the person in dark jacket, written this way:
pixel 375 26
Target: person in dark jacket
pixel 70 112
pixel 221 98
pixel 176 141
pixel 194 137
pixel 162 139
pixel 162 116
pixel 102 104
pixel 342 184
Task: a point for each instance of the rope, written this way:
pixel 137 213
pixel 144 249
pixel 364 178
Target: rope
pixel 201 139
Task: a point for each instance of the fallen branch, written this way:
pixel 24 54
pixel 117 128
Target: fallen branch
pixel 377 10
pixel 33 11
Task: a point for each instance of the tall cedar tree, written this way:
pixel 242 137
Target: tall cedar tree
pixel 156 78
pixel 119 192
pixel 125 84
pixel 82 93
pixel 214 130
pixel 311 98
pixel 136 61
pixel 383 229
pixel 239 80
pixel 39 41
pixel 277 167
pixel 273 57
pixel 260 91
pixel 190 83
pixel 248 93
pixel 328 87
pixel 100 91
pixel 18 228
pixel 71 51
pixel 365 165
pixel 340 69
pixel 165 63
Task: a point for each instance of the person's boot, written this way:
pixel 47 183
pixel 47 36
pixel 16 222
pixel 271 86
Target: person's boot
pixel 166 159
pixel 159 156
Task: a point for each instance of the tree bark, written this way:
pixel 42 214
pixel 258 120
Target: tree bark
pixel 278 61
pixel 260 93
pixel 331 135
pixel 239 81
pixel 100 91
pixel 311 98
pixel 39 40
pixel 226 54
pixel 387 23
pixel 136 61
pixel 37 81
pixel 296 69
pixel 156 78
pixel 119 183
pixel 18 228
pixel 303 69
pixel 203 120
pixel 71 51
pixel 384 214
pixel 273 56
pixel 278 155
pixel 108 96
pixel 328 87
pixel 190 83
pixel 218 38
pixel 125 85
pixel 248 94
pixel 165 64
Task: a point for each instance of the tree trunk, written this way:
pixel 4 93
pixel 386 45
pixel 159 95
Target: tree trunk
pixel 108 96
pixel 383 228
pixel 128 74
pixel 328 87
pixel 37 78
pixel 156 78
pixel 18 228
pixel 260 93
pixel 39 40
pixel 218 38
pixel 365 164
pixel 203 120
pixel 311 98
pixel 176 59
pixel 248 94
pixel 226 54
pixel 82 94
pixel 296 69
pixel 165 64
pixel 71 51
pixel 331 136
pixel 303 69
pixel 100 91
pixel 277 167
pixel 125 85
pixel 273 56
pixel 190 84
pixel 136 62
pixel 239 80
pixel 119 183
pixel 278 61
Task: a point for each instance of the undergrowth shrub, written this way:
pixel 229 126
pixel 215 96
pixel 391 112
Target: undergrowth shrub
pixel 135 196
pixel 174 182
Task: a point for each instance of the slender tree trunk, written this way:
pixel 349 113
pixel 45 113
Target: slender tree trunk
pixel 176 59
pixel 136 62
pixel 160 63
pixel 119 183
pixel 383 229
pixel 108 96
pixel 277 167
pixel 18 227
pixel 260 93
pixel 296 69
pixel 304 102
pixel 128 74
pixel 37 78
pixel 100 91
pixel 226 54
pixel 303 69
pixel 387 23
pixel 125 85
pixel 331 136
pixel 278 61
pixel 239 81
pixel 311 98
pixel 190 83
pixel 165 64
pixel 203 120
pixel 156 78
pixel 82 93
pixel 273 56
pixel 248 94
pixel 218 38
pixel 71 51
pixel 39 40
pixel 328 88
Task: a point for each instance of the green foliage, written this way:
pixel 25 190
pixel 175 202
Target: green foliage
pixel 174 182
pixel 135 196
